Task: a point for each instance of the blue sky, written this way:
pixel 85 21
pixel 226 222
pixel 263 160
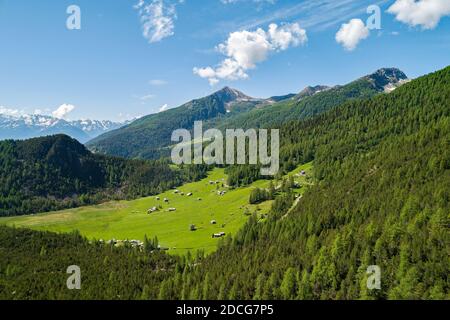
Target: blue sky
pixel 110 69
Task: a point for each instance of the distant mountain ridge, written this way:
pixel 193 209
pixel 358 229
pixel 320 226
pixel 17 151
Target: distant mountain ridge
pixel 310 91
pixel 312 101
pixel 26 126
pixel 150 136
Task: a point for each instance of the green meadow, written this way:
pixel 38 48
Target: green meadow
pixel 129 220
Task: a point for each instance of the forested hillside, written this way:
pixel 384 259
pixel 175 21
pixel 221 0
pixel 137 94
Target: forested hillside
pixel 56 172
pixel 381 197
pixel 33 266
pixel 383 167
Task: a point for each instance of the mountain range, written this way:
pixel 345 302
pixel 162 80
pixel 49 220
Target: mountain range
pixel 25 126
pixel 149 137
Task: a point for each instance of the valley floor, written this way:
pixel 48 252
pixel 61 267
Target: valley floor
pixel 129 220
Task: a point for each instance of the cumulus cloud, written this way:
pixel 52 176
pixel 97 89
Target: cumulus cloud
pixel 351 33
pixel 424 13
pixel 157 18
pixel 245 49
pixel 286 36
pixel 63 111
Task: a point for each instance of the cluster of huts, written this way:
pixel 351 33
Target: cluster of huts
pixel 120 243
pixel 152 210
pixel 166 200
pixel 155 209
pixel 212 182
pixel 176 191
pixel 192 227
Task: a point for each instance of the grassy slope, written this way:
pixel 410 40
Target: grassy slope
pixel 129 219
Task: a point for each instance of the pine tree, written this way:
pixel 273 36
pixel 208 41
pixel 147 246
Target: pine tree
pixel 259 287
pixel 288 287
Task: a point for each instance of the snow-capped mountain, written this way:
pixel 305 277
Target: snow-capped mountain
pixel 94 128
pixel 25 126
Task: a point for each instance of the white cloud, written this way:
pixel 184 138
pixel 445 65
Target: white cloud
pixel 157 82
pixel 164 108
pixel 424 13
pixel 157 19
pixel 63 111
pixel 245 49
pixel 286 36
pixel 351 33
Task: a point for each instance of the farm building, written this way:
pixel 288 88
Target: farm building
pixel 151 210
pixel 218 235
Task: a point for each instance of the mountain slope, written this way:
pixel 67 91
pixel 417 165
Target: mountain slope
pixel 32 126
pixel 144 138
pixel 316 100
pixel 150 136
pixel 55 172
pixel 382 198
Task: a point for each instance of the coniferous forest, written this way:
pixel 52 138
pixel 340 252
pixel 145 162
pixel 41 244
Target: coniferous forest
pixel 381 197
pixel 57 172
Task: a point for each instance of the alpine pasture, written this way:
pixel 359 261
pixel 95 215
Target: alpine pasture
pixel 185 222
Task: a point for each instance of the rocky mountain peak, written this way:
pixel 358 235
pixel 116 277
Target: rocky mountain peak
pixel 387 77
pixel 228 94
